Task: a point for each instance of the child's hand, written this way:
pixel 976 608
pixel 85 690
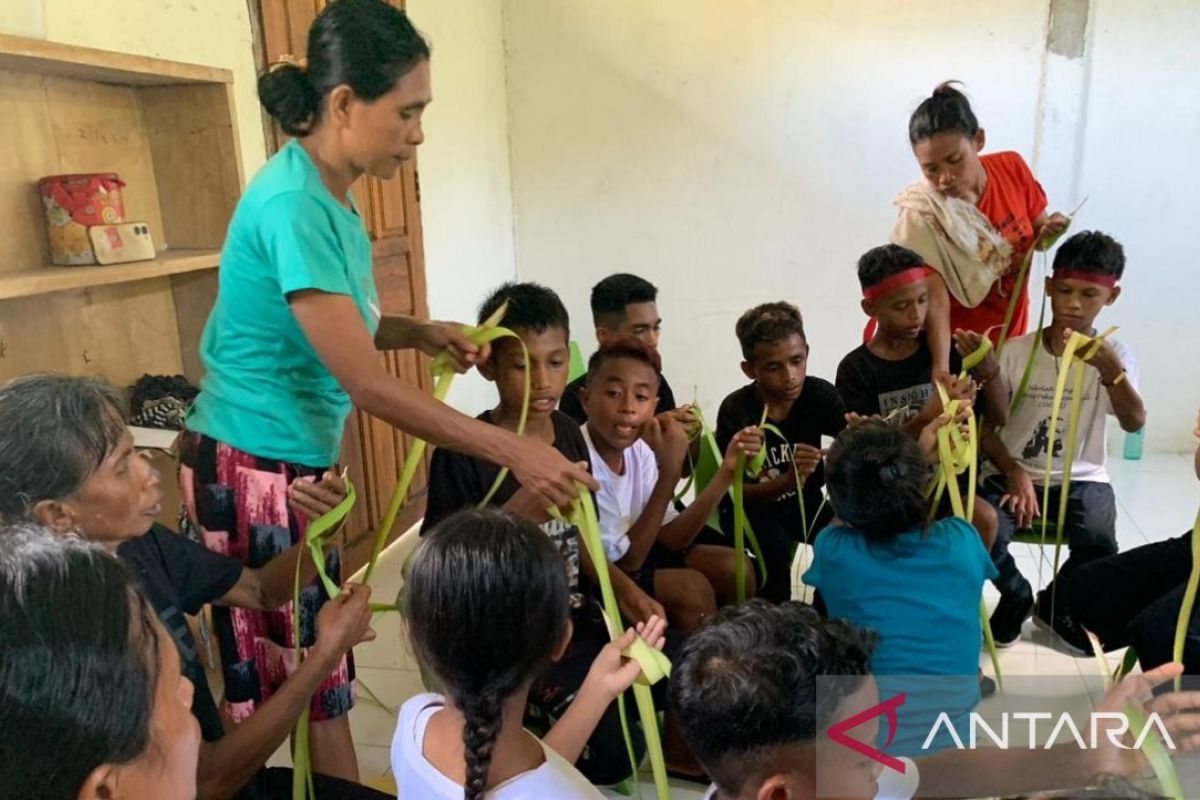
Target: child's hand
pixel 315 499
pixel 927 438
pixel 667 438
pixel 1105 360
pixel 1021 499
pixel 960 389
pixel 686 417
pixel 748 441
pixel 853 418
pixel 638 606
pixel 805 459
pixel 967 342
pixel 612 673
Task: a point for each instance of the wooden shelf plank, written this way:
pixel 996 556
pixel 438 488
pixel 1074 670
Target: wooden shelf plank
pixel 45 280
pixel 20 54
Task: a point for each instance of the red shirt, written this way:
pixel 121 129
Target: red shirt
pixel 1011 201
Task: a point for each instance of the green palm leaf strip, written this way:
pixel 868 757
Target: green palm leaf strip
pixel 958 454
pixel 317 536
pixel 740 523
pixel 1189 600
pixel 708 444
pixel 654 664
pixel 1079 348
pixel 1023 273
pixel 443 373
pixel 1152 748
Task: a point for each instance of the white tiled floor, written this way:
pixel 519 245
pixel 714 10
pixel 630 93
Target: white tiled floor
pixel 1157 499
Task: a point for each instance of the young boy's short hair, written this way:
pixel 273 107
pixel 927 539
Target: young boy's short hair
pixel 768 322
pixel 880 263
pixel 625 347
pixel 611 295
pixel 745 685
pixel 531 307
pixel 1091 251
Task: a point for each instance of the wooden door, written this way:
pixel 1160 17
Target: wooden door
pixel 372 449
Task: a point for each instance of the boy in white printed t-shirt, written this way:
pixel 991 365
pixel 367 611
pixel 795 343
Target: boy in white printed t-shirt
pixel 637 459
pixel 1086 270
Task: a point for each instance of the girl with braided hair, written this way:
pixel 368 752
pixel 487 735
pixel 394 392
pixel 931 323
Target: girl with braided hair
pixel 488 610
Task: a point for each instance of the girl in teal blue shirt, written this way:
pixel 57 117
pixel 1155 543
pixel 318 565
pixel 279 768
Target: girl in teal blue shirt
pixel 292 341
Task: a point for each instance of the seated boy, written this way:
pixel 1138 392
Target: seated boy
pixel 636 458
pixel 782 675
pixel 1087 267
pixel 804 408
pixel 458 481
pixel 893 372
pixel 623 305
pixel 1132 599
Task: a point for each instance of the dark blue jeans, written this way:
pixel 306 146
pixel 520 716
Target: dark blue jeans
pixel 1090 529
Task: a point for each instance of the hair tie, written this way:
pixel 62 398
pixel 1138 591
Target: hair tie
pixel 893 472
pixel 287 60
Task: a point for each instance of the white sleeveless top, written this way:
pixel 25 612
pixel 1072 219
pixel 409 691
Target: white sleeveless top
pixel 417 778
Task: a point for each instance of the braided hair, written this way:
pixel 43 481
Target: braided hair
pixel 488 605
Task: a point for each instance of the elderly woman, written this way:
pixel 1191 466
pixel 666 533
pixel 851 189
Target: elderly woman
pixel 67 462
pixel 973 218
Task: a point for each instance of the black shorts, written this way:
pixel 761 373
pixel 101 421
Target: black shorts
pixel 660 557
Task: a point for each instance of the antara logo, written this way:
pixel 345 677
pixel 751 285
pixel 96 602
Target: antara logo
pixel 887 708
pixel 1113 726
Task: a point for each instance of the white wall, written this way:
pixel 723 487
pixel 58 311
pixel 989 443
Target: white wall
pixel 466 189
pixel 739 153
pixel 1140 168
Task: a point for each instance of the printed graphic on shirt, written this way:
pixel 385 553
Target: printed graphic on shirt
pixel 566 539
pixel 779 459
pixel 1037 444
pixel 911 400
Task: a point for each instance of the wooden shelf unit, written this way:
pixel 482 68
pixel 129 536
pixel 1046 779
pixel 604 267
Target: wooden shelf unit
pixel 168 129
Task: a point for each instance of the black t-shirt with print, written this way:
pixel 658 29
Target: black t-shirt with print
pixel 817 412
pixel 571 403
pixel 873 385
pixel 458 481
pixel 180 577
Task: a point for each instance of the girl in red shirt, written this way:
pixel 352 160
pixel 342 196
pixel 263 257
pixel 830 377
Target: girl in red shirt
pixel 973 219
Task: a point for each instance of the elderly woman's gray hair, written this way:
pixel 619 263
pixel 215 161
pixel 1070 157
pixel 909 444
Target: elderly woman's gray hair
pixel 55 431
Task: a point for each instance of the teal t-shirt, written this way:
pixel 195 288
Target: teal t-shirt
pixel 920 592
pixel 265 391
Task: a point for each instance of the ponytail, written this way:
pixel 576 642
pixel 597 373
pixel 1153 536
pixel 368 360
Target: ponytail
pixel 287 94
pixel 947 109
pixel 483 716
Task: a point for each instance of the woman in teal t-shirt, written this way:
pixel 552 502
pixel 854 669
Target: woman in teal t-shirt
pixel 292 341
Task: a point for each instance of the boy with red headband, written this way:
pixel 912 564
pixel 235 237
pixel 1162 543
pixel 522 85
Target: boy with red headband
pixel 893 372
pixel 1084 280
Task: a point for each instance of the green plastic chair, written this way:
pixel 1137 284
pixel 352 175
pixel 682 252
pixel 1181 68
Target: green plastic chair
pixel 1033 534
pixel 578 365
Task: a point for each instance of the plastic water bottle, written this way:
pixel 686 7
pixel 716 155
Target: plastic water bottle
pixel 1133 444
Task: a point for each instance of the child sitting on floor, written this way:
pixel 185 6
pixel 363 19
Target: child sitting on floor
pixel 883 567
pixel 804 408
pixel 1087 267
pixel 458 481
pixel 488 609
pixel 636 458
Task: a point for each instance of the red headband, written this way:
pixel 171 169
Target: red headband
pixel 894 282
pixel 1098 278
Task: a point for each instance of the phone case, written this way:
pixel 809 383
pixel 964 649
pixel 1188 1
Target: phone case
pixel 121 243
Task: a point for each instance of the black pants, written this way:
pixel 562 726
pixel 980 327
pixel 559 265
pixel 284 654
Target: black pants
pixel 1133 599
pixel 777 526
pixel 1090 528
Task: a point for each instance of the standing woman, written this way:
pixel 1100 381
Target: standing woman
pixel 973 218
pixel 292 340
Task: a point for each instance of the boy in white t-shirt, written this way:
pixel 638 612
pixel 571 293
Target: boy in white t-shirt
pixel 637 460
pixel 1086 269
